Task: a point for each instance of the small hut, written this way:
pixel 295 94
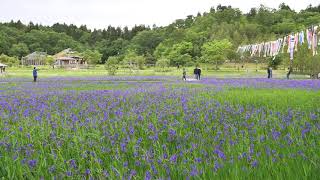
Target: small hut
pixel 34 59
pixel 70 62
pixel 69 59
pixel 2 68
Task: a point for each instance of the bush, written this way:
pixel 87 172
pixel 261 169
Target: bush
pixel 50 60
pixel 191 63
pixel 274 62
pixel 133 61
pixel 140 60
pixel 112 65
pixel 315 66
pixel 163 64
pixel 10 61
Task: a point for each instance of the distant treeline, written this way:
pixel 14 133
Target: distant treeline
pixel 185 41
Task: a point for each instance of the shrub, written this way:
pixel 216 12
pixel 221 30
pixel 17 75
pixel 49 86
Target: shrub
pixel 112 65
pixel 163 64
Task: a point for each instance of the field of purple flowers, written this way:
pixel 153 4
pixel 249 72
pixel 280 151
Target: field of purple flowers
pixel 159 128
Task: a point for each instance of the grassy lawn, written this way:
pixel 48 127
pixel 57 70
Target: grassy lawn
pixel 224 72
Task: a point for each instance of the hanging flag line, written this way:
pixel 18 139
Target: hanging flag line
pixel 273 48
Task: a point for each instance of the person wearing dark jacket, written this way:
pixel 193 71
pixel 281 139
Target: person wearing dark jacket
pixel 184 74
pixel 195 72
pixel 289 72
pixel 199 73
pixel 35 74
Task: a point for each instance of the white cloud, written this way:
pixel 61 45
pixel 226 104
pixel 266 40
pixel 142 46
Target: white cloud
pixel 101 13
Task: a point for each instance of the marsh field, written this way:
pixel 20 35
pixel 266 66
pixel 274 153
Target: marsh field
pixel 159 127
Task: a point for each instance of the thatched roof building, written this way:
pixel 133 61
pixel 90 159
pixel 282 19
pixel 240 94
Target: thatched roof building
pixel 34 59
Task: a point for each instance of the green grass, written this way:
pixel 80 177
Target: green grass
pixel 47 71
pixel 273 99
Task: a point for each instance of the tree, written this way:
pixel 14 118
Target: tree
pixel 162 50
pixel 179 52
pixel 283 6
pixel 227 14
pixel 93 57
pixel 150 59
pixel 126 33
pixel 31 26
pixel 284 27
pixel 19 50
pixel 259 25
pixel 96 35
pixel 146 42
pixel 112 65
pixel 274 62
pixel 140 61
pixel 112 48
pixel 10 61
pixel 132 60
pixel 186 60
pixel 252 13
pixel 305 63
pixel 233 56
pixel 215 52
pixel 50 60
pixel 314 65
pixel 4 43
pixel 136 29
pixel 212 10
pixel 163 63
pixel 265 17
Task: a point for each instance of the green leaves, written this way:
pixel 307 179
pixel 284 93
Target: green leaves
pixel 93 57
pixel 163 63
pixel 180 42
pixel 10 61
pixel 180 53
pixel 19 50
pixel 112 65
pixel 132 60
pixel 50 60
pixel 146 41
pixel 215 52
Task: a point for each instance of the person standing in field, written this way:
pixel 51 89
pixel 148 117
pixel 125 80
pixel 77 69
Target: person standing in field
pixel 269 73
pixel 35 74
pixel 195 72
pixel 199 73
pixel 184 74
pixel 288 73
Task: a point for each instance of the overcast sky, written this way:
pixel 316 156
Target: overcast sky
pixel 101 13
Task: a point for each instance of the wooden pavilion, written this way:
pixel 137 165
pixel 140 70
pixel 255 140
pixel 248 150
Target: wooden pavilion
pixel 69 59
pixel 34 59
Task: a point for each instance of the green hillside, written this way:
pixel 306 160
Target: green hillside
pixel 181 43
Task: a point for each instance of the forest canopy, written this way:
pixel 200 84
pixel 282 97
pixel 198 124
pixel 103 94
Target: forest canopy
pixel 183 42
